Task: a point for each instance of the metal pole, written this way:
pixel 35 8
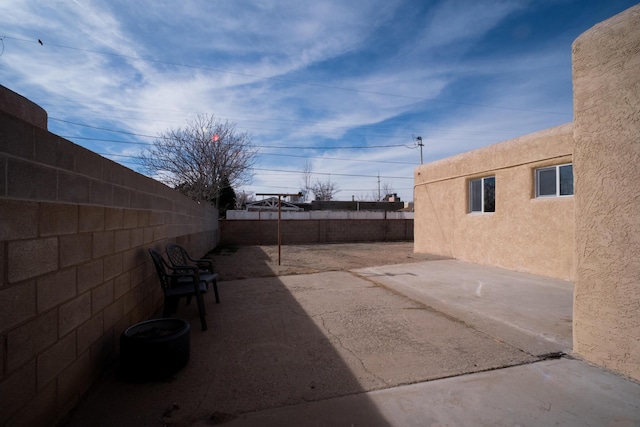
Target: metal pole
pixel 420 144
pixel 279 214
pixel 279 234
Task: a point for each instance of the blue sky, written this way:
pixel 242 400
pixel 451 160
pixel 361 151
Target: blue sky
pixel 342 86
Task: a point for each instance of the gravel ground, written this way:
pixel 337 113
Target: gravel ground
pixel 242 262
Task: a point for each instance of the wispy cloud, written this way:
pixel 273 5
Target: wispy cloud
pixel 315 77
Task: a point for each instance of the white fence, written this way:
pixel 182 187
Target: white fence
pixel 269 215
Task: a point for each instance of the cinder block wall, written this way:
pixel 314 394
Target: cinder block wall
pixel 606 76
pixel 74 267
pixel 297 232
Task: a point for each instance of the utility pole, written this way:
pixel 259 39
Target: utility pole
pixel 420 144
pixel 379 186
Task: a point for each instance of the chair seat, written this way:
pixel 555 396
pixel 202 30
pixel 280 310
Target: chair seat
pixel 205 279
pixel 183 263
pixel 178 284
pixel 185 289
pixel 208 277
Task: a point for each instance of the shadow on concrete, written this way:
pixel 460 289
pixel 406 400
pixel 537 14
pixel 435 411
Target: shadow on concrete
pixel 279 346
pixel 243 262
pixel 262 350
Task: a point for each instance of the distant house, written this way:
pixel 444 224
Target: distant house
pixel 391 203
pixel 271 204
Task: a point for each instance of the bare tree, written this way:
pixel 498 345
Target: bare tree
pixel 242 198
pixel 382 192
pixel 197 159
pixel 387 189
pixel 324 191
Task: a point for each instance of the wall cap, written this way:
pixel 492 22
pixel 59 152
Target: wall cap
pixel 17 105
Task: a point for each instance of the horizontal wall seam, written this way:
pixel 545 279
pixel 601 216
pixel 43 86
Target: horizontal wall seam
pixel 492 170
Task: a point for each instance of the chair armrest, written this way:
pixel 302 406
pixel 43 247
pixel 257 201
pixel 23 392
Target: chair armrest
pixel 179 269
pixel 206 261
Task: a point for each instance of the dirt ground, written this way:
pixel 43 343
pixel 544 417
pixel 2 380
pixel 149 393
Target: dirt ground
pixel 242 262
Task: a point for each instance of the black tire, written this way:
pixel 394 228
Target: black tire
pixel 154 349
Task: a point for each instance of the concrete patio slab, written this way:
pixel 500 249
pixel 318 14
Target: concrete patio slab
pixel 282 341
pixel 532 313
pixel 560 392
pixel 384 346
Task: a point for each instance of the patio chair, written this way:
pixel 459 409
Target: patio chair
pixel 178 283
pixel 179 257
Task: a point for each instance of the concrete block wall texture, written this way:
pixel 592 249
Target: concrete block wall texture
pixel 74 266
pixel 297 232
pixel 606 77
pixel 525 233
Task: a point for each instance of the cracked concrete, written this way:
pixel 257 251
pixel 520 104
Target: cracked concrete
pixel 395 345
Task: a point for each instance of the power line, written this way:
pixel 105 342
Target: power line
pixel 293 155
pixel 339 147
pixel 280 170
pixel 263 146
pixel 334 174
pixel 335 158
pixel 286 171
pixel 376 135
pixel 101 128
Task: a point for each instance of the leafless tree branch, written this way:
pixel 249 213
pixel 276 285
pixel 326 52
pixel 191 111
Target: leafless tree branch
pixel 197 159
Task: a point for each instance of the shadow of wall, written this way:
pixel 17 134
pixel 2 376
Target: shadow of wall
pixel 74 270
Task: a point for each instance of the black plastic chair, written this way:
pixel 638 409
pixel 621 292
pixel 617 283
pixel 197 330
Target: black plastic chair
pixel 179 258
pixel 178 283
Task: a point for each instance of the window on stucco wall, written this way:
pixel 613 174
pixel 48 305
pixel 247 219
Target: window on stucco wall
pixel 554 181
pixel 482 194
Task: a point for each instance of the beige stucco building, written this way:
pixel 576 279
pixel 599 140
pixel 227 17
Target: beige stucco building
pixel 525 233
pixel 497 205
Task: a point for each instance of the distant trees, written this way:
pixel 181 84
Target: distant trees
pixel 242 198
pixel 387 188
pixel 324 191
pixel 202 159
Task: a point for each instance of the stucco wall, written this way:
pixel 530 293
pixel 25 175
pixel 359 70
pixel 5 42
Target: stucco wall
pixel 74 267
pixel 525 233
pixel 606 76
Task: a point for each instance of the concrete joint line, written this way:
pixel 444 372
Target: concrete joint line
pixel 445 315
pixel 339 341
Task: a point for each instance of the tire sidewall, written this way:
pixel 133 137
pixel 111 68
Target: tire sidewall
pixel 154 357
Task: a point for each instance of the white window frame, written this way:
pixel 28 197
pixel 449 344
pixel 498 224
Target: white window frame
pixel 557 175
pixel 482 207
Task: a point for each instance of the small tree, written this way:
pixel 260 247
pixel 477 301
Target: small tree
pixel 200 158
pixel 324 191
pixel 227 199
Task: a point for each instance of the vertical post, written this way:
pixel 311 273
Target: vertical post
pixel 279 219
pixel 280 195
